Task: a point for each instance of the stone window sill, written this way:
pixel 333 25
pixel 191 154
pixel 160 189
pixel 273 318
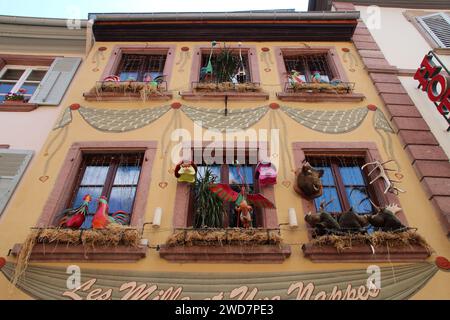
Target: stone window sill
pixel 360 253
pixel 17 106
pixel 320 97
pixel 114 96
pixel 231 95
pixel 226 253
pixel 64 252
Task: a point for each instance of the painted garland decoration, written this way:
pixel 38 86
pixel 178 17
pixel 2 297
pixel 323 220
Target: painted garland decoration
pixel 324 121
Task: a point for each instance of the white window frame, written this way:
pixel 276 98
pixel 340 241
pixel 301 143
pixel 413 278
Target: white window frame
pixel 19 83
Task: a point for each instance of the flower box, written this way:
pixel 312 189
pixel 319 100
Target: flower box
pixel 17 106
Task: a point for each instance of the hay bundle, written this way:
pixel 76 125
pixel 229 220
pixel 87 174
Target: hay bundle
pixel 51 235
pixel 176 238
pixel 24 256
pixel 376 239
pixel 226 87
pixel 322 87
pixel 213 237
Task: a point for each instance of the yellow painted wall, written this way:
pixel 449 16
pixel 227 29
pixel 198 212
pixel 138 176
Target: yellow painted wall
pixel 26 207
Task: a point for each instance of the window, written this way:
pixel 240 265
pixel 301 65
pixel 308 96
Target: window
pixel 236 177
pixel 438 27
pixel 142 67
pixel 218 75
pixel 343 182
pixel 307 65
pixel 114 176
pixel 20 79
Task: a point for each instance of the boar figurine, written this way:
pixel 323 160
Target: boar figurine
pixel 307 182
pixel 322 221
pixel 385 219
pixel 353 222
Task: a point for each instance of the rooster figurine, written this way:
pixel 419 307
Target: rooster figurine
pixel 74 217
pixel 241 200
pixel 102 219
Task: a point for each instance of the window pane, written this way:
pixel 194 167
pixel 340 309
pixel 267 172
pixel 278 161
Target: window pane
pixel 355 197
pixel 328 194
pixel 352 176
pixel 6 87
pixel 121 198
pixel 327 178
pixel 245 171
pixel 129 76
pixel 29 87
pixel 87 224
pixel 94 175
pixel 215 169
pixel 36 75
pixel 127 175
pixel 95 193
pixel 2 98
pixel 12 74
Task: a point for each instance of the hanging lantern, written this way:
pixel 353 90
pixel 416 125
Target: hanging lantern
pixel 186 171
pixel 266 173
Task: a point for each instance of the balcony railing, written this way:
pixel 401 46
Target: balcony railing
pixel 224 236
pixel 200 86
pixel 314 87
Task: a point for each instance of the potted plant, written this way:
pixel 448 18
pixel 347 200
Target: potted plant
pixel 16 97
pixel 209 211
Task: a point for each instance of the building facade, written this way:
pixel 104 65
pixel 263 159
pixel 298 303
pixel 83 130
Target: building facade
pixel 38 59
pixel 226 156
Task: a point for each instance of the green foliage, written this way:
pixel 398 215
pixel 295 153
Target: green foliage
pixel 225 65
pixel 209 210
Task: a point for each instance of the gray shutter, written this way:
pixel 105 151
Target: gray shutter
pixel 12 166
pixel 56 81
pixel 438 26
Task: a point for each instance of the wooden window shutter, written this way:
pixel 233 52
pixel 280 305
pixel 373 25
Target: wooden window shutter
pixel 12 166
pixel 438 26
pixel 56 81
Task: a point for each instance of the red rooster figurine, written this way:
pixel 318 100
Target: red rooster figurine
pixel 102 219
pixel 226 193
pixel 74 217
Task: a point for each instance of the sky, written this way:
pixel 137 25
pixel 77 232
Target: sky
pixel 79 9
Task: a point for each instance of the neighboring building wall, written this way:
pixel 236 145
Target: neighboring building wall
pixel 35 37
pixel 404 47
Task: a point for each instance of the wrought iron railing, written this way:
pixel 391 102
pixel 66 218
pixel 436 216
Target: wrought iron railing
pixel 131 87
pixel 320 87
pixel 202 86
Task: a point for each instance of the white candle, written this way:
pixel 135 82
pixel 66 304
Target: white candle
pixel 157 217
pixel 292 218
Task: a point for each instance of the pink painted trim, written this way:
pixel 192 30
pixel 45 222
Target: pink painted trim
pixel 64 184
pixel 369 149
pixel 119 50
pixel 252 60
pixel 333 61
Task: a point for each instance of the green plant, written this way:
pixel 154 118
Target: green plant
pixel 225 65
pixel 209 210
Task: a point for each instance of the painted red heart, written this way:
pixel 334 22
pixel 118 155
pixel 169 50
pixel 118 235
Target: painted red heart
pixel 163 185
pixel 43 178
pixel 286 183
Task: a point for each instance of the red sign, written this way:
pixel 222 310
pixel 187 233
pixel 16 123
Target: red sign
pixel 436 84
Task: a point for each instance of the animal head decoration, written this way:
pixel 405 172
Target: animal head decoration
pixel 382 174
pixel 385 218
pixel 307 182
